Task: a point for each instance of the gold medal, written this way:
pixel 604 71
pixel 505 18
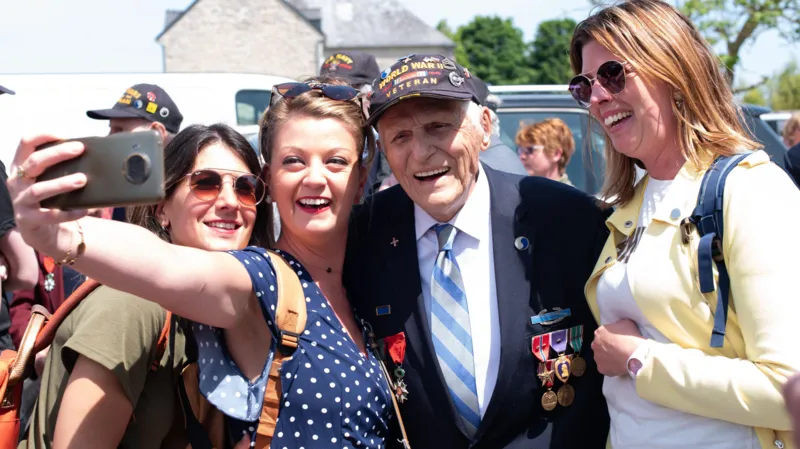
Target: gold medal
pixel 578 366
pixel 562 368
pixel 566 395
pixel 549 400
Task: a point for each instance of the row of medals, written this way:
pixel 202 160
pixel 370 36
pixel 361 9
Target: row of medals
pixel 571 364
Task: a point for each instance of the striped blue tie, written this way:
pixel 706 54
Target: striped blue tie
pixel 452 338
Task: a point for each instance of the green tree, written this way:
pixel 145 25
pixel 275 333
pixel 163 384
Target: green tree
pixel 494 50
pixel 785 93
pixel 755 96
pixel 549 52
pixel 731 24
pixel 459 53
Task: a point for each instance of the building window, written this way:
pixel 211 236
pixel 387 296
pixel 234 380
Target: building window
pixel 250 104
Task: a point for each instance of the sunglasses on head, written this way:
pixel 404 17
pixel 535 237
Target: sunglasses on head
pixel 206 185
pixel 332 91
pixel 610 75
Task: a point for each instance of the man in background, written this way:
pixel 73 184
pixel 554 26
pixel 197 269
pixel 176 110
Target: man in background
pixel 498 156
pixel 359 69
pixel 140 108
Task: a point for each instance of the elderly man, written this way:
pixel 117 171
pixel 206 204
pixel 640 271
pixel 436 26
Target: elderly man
pixel 473 278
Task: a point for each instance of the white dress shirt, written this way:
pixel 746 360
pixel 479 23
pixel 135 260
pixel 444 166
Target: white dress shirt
pixel 472 250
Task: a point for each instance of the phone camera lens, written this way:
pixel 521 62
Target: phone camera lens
pixel 137 168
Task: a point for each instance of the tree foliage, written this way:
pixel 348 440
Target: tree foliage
pixel 732 24
pixel 755 96
pixel 494 50
pixel 549 52
pixel 785 92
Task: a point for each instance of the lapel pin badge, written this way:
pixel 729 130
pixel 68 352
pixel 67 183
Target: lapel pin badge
pixel 521 243
pixel 383 310
pixel 394 242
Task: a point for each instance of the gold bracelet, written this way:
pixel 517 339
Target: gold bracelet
pixel 67 260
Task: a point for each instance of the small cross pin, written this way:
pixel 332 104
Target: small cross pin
pixel 394 242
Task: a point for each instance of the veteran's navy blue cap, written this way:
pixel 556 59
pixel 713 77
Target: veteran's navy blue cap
pixel 5 90
pixel 431 76
pixel 145 101
pixel 355 66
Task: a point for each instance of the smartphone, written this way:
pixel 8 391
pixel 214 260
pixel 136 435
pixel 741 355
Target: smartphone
pixel 122 169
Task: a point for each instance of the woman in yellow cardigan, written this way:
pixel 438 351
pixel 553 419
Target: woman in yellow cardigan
pixel 658 91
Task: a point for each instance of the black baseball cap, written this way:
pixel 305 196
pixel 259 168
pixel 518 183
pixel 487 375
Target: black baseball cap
pixel 355 66
pixel 145 101
pixel 483 93
pixel 5 90
pixel 432 76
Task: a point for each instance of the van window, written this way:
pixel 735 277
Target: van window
pixel 250 104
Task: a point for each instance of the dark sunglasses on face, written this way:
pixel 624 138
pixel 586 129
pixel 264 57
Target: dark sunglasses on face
pixel 332 91
pixel 610 75
pixel 206 185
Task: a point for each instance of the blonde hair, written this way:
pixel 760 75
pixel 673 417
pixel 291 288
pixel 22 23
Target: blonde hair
pixel 552 134
pixel 663 45
pixel 316 105
pixel 791 126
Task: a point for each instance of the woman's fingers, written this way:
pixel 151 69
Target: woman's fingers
pixel 39 161
pixel 34 194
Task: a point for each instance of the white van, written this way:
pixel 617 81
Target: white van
pixel 58 103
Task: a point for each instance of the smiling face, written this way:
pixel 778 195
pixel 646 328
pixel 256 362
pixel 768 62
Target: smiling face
pixel 217 224
pixel 315 177
pixel 432 147
pixel 639 120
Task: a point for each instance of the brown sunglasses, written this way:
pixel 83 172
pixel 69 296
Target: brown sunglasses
pixel 206 185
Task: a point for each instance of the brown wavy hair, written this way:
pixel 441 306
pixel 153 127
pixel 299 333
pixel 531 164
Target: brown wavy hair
pixel 663 45
pixel 316 105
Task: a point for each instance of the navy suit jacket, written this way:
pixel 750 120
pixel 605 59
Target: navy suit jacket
pixel 566 232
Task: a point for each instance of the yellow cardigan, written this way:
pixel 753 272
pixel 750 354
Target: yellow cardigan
pixel 740 382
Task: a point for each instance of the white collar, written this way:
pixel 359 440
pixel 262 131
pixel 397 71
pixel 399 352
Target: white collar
pixel 472 219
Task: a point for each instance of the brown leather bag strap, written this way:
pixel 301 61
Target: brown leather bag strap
pixel 290 319
pixel 45 337
pixel 26 351
pixel 163 341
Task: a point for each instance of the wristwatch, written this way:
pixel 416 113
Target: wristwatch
pixel 637 360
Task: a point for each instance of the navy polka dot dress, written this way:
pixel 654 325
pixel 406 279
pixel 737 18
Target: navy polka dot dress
pixel 334 396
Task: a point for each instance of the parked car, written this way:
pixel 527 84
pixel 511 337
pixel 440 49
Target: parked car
pixel 526 104
pixel 776 120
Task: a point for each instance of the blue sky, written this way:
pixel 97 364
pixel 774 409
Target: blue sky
pixel 90 36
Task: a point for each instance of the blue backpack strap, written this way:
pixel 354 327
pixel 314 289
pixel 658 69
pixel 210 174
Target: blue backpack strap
pixel 708 219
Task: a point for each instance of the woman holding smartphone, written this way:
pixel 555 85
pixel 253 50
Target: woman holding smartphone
pixel 334 394
pixel 105 384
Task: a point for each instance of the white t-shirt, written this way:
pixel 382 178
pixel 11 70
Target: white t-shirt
pixel 635 422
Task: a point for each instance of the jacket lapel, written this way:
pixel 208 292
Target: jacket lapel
pixel 513 270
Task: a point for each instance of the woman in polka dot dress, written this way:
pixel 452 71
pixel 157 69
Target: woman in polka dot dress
pixel 333 392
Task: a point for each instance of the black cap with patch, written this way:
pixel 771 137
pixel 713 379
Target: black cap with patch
pixel 5 90
pixel 145 101
pixel 355 66
pixel 432 76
